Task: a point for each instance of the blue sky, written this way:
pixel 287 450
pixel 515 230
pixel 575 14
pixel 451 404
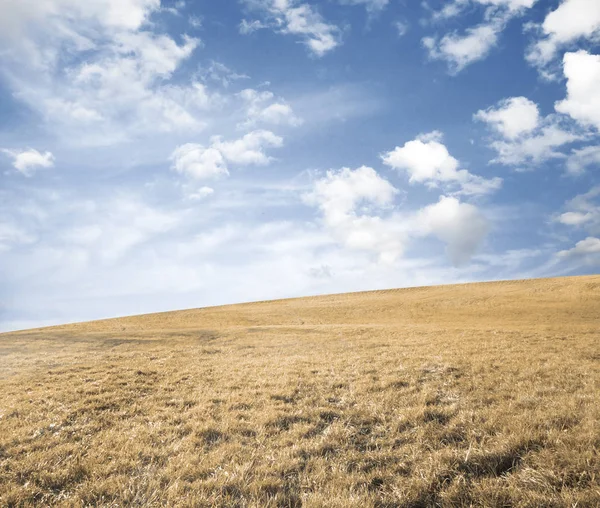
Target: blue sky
pixel 158 155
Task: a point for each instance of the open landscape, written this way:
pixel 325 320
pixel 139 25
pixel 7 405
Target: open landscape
pixel 482 394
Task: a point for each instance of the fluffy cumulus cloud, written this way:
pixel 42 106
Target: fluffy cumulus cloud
pixel 571 21
pixel 294 18
pixel 512 117
pixel 462 49
pixel 29 160
pixel 427 160
pixel 199 162
pixel 358 208
pixel 460 225
pixel 521 137
pixel 339 193
pixel 203 163
pixel 424 158
pixel 582 103
pixel 349 200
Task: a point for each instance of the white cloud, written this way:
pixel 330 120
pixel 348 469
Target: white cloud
pixel 98 81
pixel 523 139
pixel 291 17
pixel 199 162
pixel 202 163
pixel 569 22
pixel 339 193
pixel 97 73
pixel 582 71
pixel 264 107
pixel 358 208
pixel 512 117
pixel 29 160
pixel 347 198
pixel 588 249
pixel 583 212
pixel 449 10
pixel 575 218
pixel 461 50
pixel 427 160
pixel 278 113
pixel 456 7
pixel 155 56
pixel 581 158
pixel 529 151
pixel 129 83
pixel 460 225
pixel 477 185
pixel 19 18
pixel 250 149
pixel 424 158
pixel 176 8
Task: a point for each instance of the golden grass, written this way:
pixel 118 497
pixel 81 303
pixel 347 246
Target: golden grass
pixel 467 395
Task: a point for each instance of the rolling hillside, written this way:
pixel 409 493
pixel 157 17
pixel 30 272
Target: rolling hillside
pixel 481 394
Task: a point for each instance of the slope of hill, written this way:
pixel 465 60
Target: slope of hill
pixel 475 395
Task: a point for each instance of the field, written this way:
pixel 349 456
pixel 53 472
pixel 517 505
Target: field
pixel 467 395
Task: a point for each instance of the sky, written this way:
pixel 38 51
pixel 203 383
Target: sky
pixel 167 154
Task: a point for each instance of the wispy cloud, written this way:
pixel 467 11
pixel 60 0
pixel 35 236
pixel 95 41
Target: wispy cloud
pixel 294 18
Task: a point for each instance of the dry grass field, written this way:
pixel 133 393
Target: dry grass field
pixel 467 395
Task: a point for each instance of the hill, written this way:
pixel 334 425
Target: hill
pixel 481 394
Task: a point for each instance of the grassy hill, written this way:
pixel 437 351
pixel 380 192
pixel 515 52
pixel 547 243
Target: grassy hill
pixel 466 395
